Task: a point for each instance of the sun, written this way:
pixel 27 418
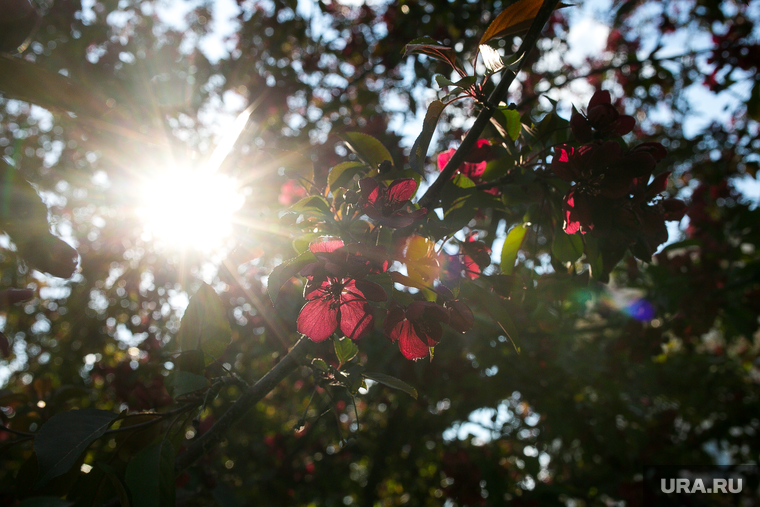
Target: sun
pixel 190 208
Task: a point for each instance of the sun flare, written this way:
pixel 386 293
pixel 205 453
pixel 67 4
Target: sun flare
pixel 190 208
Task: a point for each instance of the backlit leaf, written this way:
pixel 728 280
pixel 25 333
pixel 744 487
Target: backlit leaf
pixel 64 437
pixel 392 382
pixel 345 349
pixel 512 122
pixel 285 272
pixel 312 205
pixel 205 325
pixel 514 19
pixel 512 244
pixel 342 174
pixel 367 148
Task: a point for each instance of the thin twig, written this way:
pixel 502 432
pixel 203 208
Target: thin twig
pixel 247 400
pixel 484 117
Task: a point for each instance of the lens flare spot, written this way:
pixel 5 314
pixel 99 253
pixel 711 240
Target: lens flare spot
pixel 190 208
pixel 641 310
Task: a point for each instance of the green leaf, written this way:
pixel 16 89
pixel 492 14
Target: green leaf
pixel 285 272
pixel 205 325
pixel 566 247
pixel 320 364
pixel 499 167
pixel 392 382
pixel 45 501
pixel 512 244
pixel 184 382
pixel 64 437
pixel 462 181
pixel 342 174
pixel 345 349
pixel 367 148
pixel 420 147
pixel 312 205
pixel 512 123
pixel 150 476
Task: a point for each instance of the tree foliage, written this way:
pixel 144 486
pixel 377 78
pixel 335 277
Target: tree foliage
pixel 488 311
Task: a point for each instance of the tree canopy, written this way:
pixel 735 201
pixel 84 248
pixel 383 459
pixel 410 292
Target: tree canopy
pixel 384 253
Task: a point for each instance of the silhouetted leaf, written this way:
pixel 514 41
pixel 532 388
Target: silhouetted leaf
pixel 150 476
pixel 184 382
pixel 430 47
pixel 26 81
pixel 463 83
pixel 113 476
pixel 419 150
pixel 65 436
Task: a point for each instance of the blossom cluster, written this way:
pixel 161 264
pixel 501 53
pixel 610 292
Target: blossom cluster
pixel 612 196
pixel 338 295
pixel 474 165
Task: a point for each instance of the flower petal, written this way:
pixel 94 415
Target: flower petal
pixel 316 287
pixel 400 191
pixel 580 127
pixel 443 158
pixel 562 163
pixel 356 319
pixel 369 188
pixel 600 97
pixel 325 245
pixel 408 342
pixel 394 317
pixel 318 319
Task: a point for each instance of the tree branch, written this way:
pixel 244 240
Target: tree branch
pixel 499 93
pixel 247 400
